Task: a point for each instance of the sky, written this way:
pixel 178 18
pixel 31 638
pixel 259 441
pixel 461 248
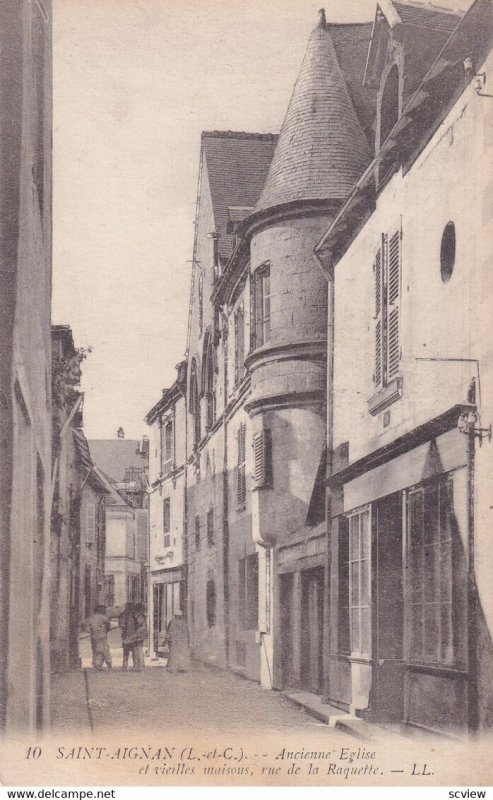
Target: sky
pixel 135 82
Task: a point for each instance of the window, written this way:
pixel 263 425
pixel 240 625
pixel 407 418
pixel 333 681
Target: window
pixel 241 475
pixel 133 588
pixel 88 598
pixel 343 594
pixel 210 388
pixel 110 589
pixel 210 527
pixel 194 405
pixel 211 603
pixel 239 343
pixel 359 583
pixel 197 533
pixel 432 561
pixel 90 522
pixel 248 592
pixel 261 306
pixel 201 303
pixel 447 252
pixel 262 460
pixel 167 446
pixel 387 269
pixel 167 521
pixel 389 104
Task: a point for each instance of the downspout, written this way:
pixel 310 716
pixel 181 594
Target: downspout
pixel 226 507
pixel 328 270
pixel 183 393
pixel 473 709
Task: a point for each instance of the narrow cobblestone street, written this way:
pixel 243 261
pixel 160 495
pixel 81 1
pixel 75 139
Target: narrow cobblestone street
pixel 204 698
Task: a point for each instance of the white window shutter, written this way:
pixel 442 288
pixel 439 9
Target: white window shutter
pixel 393 293
pixel 259 459
pixel 377 268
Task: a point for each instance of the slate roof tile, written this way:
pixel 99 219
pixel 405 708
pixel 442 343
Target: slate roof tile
pixel 322 149
pixel 237 165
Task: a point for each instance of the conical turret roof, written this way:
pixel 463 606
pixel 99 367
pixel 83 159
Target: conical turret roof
pixel 322 150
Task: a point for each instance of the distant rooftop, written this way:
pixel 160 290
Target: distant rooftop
pixel 116 456
pixel 237 164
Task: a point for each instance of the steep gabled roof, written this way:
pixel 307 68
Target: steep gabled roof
pixel 441 20
pixel 322 149
pixel 351 43
pixel 433 25
pixel 237 165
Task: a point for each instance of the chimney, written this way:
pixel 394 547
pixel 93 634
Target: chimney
pixel 120 433
pixel 144 449
pixel 321 18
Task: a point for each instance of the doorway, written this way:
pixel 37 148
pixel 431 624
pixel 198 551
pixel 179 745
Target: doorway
pixel 387 695
pixel 312 592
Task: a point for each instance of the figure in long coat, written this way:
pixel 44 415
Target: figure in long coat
pixel 179 650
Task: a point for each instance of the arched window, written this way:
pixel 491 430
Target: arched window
pixel 201 303
pixel 210 593
pixel 389 104
pixel 261 306
pixel 210 387
pixel 194 402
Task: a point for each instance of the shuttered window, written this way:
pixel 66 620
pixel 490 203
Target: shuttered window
pixel 166 515
pixel 393 297
pixel 90 522
pixel 262 306
pixel 261 458
pixel 197 533
pixel 241 474
pixel 378 317
pixel 248 592
pixel 210 526
pixel 387 272
pixel 239 343
pixel 167 447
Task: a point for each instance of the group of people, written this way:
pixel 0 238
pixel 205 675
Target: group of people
pixel 133 628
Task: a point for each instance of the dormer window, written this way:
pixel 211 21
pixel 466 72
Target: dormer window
pixel 389 103
pixel 194 402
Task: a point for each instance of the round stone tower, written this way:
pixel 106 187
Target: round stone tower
pixel 320 154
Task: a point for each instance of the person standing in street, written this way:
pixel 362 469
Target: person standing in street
pixel 98 625
pixel 179 649
pixel 139 636
pixel 127 622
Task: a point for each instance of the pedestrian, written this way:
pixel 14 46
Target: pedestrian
pixel 179 649
pixel 139 636
pixel 127 623
pixel 98 625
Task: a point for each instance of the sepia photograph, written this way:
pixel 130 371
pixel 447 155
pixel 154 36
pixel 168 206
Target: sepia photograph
pixel 246 389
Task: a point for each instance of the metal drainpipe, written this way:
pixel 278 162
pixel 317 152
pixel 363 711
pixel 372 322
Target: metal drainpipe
pixel 226 508
pixel 328 271
pixel 471 590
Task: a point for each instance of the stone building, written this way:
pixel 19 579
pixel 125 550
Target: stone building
pixel 222 556
pixel 25 362
pixel 80 492
pixel 124 464
pixel 336 501
pixel 167 494
pixel 408 260
pixel 257 353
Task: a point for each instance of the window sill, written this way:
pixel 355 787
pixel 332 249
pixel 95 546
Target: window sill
pixel 432 668
pixel 385 397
